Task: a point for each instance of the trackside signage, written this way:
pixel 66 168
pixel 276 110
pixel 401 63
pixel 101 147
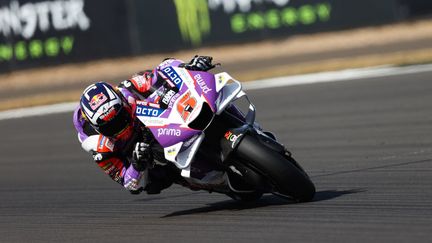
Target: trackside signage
pixel 244 20
pixel 251 18
pixel 192 23
pixel 44 32
pixel 36 33
pixel 24 20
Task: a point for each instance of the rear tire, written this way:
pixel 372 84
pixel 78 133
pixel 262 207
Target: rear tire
pixel 282 172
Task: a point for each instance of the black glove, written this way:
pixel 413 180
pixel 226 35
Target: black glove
pixel 160 177
pixel 200 63
pixel 142 155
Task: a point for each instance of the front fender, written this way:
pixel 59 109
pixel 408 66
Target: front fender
pixel 231 139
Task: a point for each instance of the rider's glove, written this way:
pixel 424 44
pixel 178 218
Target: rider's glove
pixel 142 155
pixel 131 180
pixel 200 63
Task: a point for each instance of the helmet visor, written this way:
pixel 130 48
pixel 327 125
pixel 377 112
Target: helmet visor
pixel 117 124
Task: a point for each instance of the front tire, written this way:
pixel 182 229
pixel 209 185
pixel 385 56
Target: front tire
pixel 286 178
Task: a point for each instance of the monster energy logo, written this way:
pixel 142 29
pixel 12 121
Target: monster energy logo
pixel 193 19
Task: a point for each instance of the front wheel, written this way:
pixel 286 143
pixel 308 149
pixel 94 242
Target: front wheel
pixel 282 172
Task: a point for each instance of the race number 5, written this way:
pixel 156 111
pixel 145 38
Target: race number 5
pixel 186 105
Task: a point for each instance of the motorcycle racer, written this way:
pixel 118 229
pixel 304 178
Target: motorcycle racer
pixel 108 128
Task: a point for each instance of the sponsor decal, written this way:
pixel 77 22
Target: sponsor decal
pixel 109 114
pixel 146 103
pixel 141 82
pixel 142 102
pixel 202 83
pixel 110 169
pixel 148 111
pixel 230 6
pixel 154 105
pixel 276 18
pixel 101 142
pixel 169 132
pixel 26 19
pixel 220 79
pixel 117 177
pixel 109 144
pixel 127 83
pixel 157 99
pixel 173 76
pixel 194 16
pixel 171 151
pixel 232 137
pixel 171 103
pixel 153 121
pixel 186 77
pixel 37 48
pixel 97 101
pixel 167 97
pixel 105 142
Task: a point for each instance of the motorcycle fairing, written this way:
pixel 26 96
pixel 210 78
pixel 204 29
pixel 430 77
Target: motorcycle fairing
pixel 170 126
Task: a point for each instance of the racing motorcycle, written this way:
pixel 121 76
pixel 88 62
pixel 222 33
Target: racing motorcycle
pixel 197 125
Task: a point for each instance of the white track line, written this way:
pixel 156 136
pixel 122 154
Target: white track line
pixel 323 77
pixel 344 75
pixel 38 111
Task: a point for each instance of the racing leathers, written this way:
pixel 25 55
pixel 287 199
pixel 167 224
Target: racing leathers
pixel 128 160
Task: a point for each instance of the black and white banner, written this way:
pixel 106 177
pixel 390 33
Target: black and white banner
pixel 39 33
pixel 35 33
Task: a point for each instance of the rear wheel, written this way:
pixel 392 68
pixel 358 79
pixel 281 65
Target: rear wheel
pixel 281 171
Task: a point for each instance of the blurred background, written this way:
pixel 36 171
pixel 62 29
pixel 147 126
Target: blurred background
pixel 50 50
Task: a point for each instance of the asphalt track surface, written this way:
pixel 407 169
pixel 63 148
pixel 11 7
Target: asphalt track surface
pixel 366 145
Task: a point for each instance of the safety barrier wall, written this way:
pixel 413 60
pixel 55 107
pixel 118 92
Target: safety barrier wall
pixel 48 32
pixel 189 23
pixel 415 8
pixel 40 33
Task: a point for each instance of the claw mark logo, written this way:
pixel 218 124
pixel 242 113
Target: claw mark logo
pixel 193 20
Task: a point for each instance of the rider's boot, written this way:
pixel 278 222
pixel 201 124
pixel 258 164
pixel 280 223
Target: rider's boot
pixel 161 177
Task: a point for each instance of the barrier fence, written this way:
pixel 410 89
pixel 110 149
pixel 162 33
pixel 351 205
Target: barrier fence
pixel 48 32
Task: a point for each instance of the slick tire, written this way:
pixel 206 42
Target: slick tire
pixel 282 172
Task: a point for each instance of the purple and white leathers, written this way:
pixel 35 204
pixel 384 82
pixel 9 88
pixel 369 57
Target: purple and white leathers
pixel 106 126
pixel 110 111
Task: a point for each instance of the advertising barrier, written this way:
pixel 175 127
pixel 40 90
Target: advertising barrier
pixel 415 8
pixel 192 23
pixel 38 33
pixel 41 33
